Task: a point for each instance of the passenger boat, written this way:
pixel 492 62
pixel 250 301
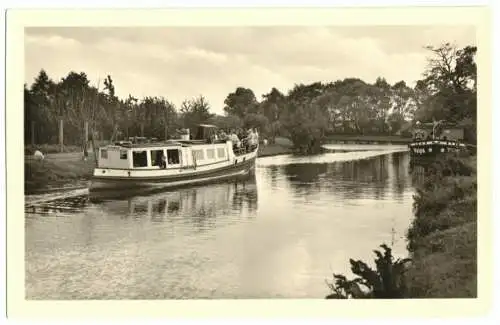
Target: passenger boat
pixel 145 165
pixel 431 141
pixel 431 148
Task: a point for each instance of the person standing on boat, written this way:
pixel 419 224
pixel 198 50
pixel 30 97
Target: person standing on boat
pixel 235 140
pixel 255 139
pixel 163 161
pixel 248 140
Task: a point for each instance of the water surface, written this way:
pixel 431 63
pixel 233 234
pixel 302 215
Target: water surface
pixel 279 234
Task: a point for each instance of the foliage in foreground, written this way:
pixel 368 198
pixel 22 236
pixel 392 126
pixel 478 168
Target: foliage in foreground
pixel 386 281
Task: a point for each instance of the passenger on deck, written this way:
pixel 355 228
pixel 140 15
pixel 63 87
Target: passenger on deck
pixel 241 133
pixel 236 141
pixel 254 140
pixel 222 135
pixel 249 140
pixel 163 163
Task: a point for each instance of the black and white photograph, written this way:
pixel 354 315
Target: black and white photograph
pixel 217 161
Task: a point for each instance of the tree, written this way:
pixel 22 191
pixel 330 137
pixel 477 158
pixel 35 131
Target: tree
pixel 169 117
pixel 301 93
pixel 259 121
pixel 40 109
pixel 273 107
pixel 307 125
pixel 112 109
pixel 195 111
pixel 396 121
pixel 240 102
pixel 74 89
pixel 448 89
pixel 227 122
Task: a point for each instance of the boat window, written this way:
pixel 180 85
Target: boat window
pixel 104 154
pixel 156 157
pixel 123 154
pixel 221 152
pixel 198 154
pixel 210 153
pixel 173 157
pixel 140 158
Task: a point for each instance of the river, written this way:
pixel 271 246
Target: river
pixel 279 234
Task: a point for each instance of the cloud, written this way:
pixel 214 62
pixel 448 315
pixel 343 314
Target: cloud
pixel 183 62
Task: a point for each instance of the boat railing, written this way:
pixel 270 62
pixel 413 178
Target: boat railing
pixel 244 148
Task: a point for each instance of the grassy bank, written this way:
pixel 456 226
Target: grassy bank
pixel 280 146
pixel 58 170
pixel 443 236
pixel 442 241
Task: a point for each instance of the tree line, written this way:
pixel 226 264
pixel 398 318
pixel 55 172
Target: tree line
pixel 306 114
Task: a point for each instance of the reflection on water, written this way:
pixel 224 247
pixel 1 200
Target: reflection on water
pixel 376 177
pixel 279 233
pixel 200 205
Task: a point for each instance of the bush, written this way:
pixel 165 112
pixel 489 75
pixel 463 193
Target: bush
pixel 387 281
pixel 434 198
pixel 455 213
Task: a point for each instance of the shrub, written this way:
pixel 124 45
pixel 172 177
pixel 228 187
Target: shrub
pixel 454 214
pixel 387 281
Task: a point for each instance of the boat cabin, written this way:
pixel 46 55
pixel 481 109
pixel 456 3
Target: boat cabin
pixel 141 153
pixel 162 155
pixel 446 132
pixel 205 132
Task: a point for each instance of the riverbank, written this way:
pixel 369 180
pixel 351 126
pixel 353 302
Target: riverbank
pixel 281 146
pixel 443 236
pixel 56 171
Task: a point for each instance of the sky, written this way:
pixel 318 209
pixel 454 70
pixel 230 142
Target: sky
pixel 179 63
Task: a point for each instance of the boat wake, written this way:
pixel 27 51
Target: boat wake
pixel 32 200
pixel 329 157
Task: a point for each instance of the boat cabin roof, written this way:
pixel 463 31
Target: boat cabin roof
pixel 168 143
pixel 205 131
